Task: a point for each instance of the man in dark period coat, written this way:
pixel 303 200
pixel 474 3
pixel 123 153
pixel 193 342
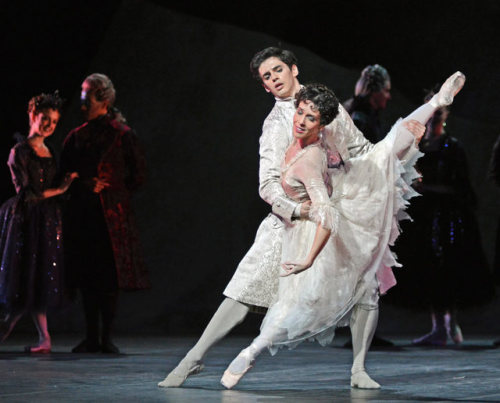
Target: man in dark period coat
pixel 102 246
pixel 371 94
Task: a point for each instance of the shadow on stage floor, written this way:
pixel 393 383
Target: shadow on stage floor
pixel 307 374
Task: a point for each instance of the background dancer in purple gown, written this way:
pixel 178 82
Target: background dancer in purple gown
pixel 31 271
pixel 449 272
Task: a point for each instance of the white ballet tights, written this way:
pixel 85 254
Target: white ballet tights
pixel 229 314
pixel 444 97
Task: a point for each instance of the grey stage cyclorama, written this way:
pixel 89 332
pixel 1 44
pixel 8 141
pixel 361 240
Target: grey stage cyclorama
pixel 308 374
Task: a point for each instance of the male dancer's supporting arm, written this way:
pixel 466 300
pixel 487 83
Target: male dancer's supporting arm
pixel 274 141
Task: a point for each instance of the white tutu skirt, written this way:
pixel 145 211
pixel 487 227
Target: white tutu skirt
pixel 369 196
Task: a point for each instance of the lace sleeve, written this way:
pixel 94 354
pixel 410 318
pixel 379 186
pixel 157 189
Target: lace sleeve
pixel 313 174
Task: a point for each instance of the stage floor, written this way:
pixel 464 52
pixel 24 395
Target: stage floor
pixel 309 373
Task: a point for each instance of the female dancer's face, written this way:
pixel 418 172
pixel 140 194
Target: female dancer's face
pixel 279 79
pixel 44 122
pixel 306 122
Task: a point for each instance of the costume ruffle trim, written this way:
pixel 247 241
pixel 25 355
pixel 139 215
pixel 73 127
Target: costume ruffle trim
pixel 325 215
pixel 404 175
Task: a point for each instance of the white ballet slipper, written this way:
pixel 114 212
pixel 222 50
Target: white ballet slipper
pixel 362 380
pixel 180 373
pixel 238 368
pixel 448 90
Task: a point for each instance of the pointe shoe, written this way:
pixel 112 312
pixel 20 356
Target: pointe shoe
pixel 448 90
pixel 362 380
pixel 180 373
pixel 238 367
pixel 434 338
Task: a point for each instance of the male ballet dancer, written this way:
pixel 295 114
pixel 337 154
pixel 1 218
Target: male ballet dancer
pixel 255 282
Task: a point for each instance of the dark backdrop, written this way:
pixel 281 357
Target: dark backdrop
pixel 182 78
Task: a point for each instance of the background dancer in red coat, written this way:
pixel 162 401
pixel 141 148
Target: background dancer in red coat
pixel 103 251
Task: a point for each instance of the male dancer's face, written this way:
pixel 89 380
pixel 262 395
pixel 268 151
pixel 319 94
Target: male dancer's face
pixel 379 99
pixel 91 108
pixel 279 79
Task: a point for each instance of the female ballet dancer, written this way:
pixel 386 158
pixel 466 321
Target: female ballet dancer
pixel 341 256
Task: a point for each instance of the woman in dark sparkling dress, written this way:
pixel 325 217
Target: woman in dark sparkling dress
pixel 445 268
pixel 31 277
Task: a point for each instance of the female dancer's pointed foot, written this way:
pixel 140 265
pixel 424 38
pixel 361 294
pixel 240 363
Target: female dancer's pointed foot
pixel 362 380
pixel 180 373
pixel 448 90
pixel 238 367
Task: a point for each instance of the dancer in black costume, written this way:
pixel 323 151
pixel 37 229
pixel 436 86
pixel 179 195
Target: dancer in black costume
pixel 102 244
pixel 445 267
pixel 371 94
pixel 31 276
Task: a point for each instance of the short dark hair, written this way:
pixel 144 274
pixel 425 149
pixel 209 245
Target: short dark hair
pixel 284 55
pixel 324 101
pixel 45 101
